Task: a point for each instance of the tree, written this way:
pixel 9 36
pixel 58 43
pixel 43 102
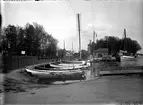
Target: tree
pixel 84 54
pixel 32 38
pixel 11 38
pixel 39 40
pixel 114 44
pixel 61 53
pixel 52 46
pixel 131 46
pixel 135 47
pixel 0 20
pixel 21 39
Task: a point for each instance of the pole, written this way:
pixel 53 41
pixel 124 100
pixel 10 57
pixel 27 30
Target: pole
pixel 93 36
pixel 124 33
pixel 78 17
pixel 125 39
pixel 64 45
pixel 72 47
pixel 72 50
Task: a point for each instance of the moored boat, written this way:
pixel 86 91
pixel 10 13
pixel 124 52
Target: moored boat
pixel 56 73
pixel 124 54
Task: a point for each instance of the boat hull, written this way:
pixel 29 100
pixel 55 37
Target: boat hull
pixel 123 58
pixel 60 75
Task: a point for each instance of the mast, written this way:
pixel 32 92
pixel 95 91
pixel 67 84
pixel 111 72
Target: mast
pixel 78 18
pixel 125 40
pixel 94 36
pixel 72 47
pixel 72 50
pixel 64 45
pixel 125 33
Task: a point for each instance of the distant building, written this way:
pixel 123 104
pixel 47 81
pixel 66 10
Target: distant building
pixel 68 55
pixel 101 52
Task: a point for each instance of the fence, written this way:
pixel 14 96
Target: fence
pixel 15 62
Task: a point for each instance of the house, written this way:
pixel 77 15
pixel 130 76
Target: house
pixel 101 52
pixel 68 55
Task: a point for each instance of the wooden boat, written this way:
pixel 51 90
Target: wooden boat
pixel 56 73
pixel 126 57
pixel 69 66
pixel 72 62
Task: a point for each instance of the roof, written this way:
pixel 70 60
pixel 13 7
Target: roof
pixel 68 53
pixel 102 50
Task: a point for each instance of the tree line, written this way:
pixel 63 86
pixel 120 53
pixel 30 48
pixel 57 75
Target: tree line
pixel 32 38
pixel 115 44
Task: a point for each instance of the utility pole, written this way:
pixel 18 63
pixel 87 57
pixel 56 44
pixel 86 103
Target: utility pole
pixel 78 18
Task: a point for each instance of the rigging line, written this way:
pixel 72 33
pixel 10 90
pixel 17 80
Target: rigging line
pixel 91 14
pixel 65 7
pixel 71 7
pixel 87 36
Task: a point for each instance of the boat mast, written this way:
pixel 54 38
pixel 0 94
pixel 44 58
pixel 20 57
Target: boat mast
pixel 78 18
pixel 94 36
pixel 125 40
pixel 64 45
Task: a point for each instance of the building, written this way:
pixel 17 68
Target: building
pixel 68 55
pixel 101 52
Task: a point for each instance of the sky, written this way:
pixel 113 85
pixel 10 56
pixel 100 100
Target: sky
pixel 59 18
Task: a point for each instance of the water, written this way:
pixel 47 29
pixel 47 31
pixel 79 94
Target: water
pixel 128 63
pixel 134 62
pixel 93 71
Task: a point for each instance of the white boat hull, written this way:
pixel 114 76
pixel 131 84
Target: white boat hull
pixel 69 66
pixel 127 57
pixel 54 74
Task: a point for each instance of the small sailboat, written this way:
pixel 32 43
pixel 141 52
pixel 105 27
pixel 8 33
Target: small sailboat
pixel 123 53
pixel 55 72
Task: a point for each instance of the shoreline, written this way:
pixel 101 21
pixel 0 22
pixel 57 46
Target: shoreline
pixel 20 88
pixel 19 81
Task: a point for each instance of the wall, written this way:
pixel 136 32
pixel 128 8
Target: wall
pixel 15 62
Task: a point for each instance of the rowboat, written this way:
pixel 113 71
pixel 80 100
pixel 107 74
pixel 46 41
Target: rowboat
pixel 56 73
pixel 65 66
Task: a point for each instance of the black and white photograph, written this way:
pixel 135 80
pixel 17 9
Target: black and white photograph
pixel 71 52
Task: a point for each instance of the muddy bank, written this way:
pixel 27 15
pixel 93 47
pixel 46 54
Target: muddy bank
pixel 19 81
pixel 104 90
